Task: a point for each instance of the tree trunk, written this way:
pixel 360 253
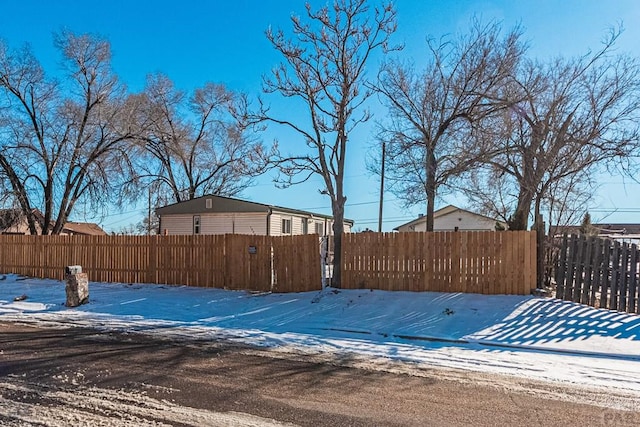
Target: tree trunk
pixel 431 200
pixel 430 186
pixel 520 218
pixel 338 229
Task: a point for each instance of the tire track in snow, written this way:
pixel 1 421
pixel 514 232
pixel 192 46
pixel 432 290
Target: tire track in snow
pixel 30 404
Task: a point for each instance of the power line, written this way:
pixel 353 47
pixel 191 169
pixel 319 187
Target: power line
pixel 352 204
pixel 615 210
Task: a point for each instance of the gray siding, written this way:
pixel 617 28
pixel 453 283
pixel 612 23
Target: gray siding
pixel 245 222
pixel 221 223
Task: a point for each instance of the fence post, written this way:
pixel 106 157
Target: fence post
pixel 324 250
pixel 540 229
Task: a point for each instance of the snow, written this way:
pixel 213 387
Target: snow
pixel 527 337
pixel 91 406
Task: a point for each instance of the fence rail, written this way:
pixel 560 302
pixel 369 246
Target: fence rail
pixel 478 262
pixel 481 262
pixel 599 272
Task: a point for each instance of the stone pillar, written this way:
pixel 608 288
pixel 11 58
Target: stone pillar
pixel 77 286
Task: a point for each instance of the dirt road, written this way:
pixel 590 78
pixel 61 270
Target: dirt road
pixel 67 377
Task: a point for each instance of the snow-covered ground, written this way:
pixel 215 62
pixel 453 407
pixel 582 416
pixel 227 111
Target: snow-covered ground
pixel 524 336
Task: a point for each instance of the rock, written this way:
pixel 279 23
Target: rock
pixel 77 289
pixel 538 292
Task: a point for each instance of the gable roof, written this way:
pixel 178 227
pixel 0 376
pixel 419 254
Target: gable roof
pixel 87 228
pixel 228 204
pixel 449 209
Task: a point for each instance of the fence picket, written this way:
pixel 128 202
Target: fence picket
pixel 596 271
pixel 633 280
pixel 587 270
pixel 615 276
pixel 610 268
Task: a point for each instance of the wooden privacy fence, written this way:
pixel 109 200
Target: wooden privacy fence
pixel 479 262
pixel 262 263
pixel 599 272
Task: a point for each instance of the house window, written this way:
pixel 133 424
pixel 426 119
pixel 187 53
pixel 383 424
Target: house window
pixel 196 224
pixel 305 226
pixel 209 203
pixel 286 226
pixel 320 228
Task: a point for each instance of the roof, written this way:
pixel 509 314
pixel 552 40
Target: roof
pixel 627 228
pixel 603 228
pixel 440 213
pixel 228 204
pixel 9 217
pixel 88 228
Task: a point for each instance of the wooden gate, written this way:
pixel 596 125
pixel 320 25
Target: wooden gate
pixel 296 263
pixel 248 262
pixel 598 272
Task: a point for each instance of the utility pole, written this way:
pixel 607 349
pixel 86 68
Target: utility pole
pixel 381 188
pixel 149 214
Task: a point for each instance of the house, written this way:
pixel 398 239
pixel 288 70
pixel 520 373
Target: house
pixel 627 232
pixel 225 215
pixel 12 221
pixel 453 218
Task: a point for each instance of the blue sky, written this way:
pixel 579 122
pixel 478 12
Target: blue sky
pixel 195 42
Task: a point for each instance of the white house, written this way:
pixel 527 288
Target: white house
pixel 452 218
pixel 225 215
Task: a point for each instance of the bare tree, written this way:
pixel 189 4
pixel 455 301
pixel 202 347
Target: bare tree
pixel 433 112
pixel 323 68
pixel 574 115
pixel 62 142
pixel 198 144
pixel 494 193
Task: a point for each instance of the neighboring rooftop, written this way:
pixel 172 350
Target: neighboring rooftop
pixel 86 228
pixel 611 229
pixel 442 212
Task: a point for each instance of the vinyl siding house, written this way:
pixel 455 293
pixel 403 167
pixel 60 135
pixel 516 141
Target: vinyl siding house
pixel 452 218
pixel 225 215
